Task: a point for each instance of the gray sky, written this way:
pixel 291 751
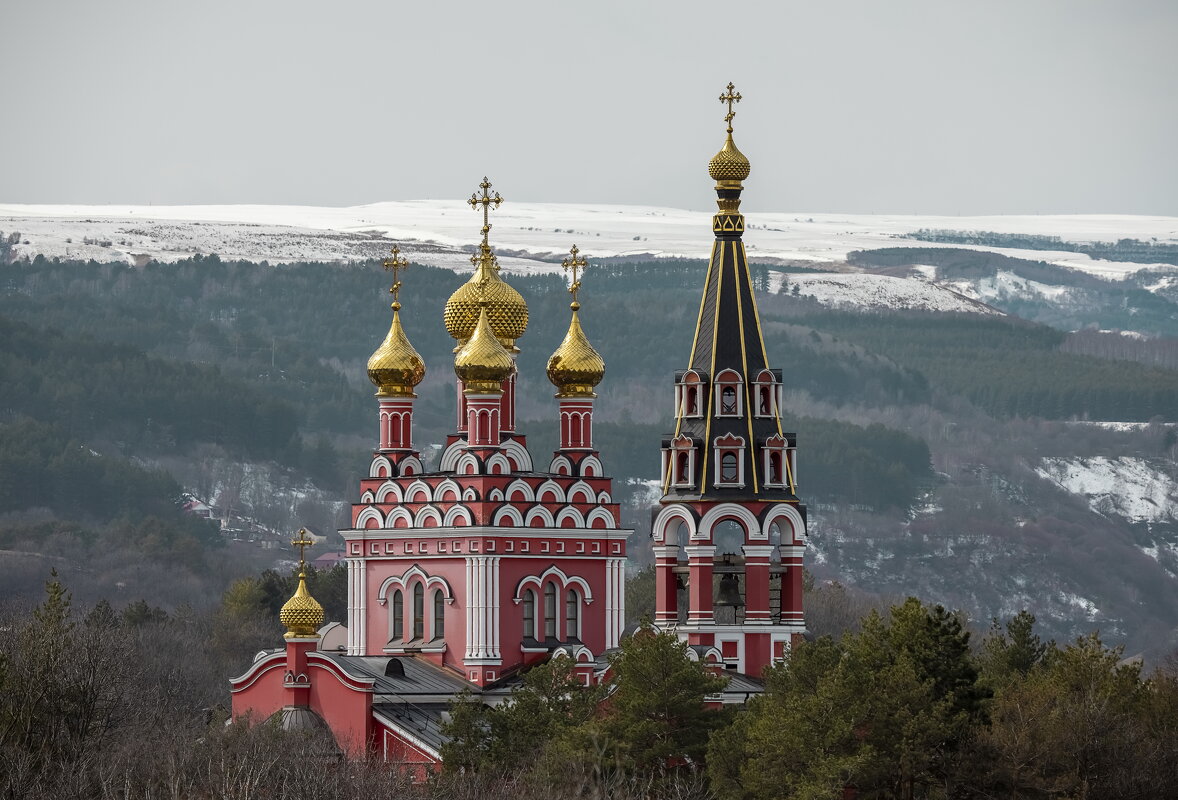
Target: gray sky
pixel 886 106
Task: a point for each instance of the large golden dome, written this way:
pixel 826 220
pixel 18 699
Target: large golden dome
pixel 301 614
pixel 483 363
pixel 729 164
pixel 395 368
pixel 575 368
pixel 507 313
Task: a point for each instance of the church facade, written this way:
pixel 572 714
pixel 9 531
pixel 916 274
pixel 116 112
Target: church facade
pixel 462 576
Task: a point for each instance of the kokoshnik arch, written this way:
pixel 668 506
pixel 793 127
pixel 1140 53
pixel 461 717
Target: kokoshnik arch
pixel 463 576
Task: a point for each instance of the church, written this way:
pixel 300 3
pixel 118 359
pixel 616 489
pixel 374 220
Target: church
pixel 462 577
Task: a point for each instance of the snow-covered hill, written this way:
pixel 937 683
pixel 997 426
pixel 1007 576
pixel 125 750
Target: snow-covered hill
pixel 1128 487
pixel 533 234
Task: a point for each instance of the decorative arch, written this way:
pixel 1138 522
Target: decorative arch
pixel 369 515
pixel 469 495
pixel 561 466
pixel 517 453
pixel 386 489
pixel 426 516
pixel 508 517
pixel 406 579
pixel 790 513
pixel 367 498
pixel 734 511
pixel 467 465
pixel 498 464
pixel 447 491
pixel 410 465
pixel 558 576
pixel 549 489
pixel 602 516
pixel 522 488
pixel 400 518
pixel 604 498
pixel 568 513
pixel 458 516
pixel 381 467
pixel 495 495
pixel 662 523
pixel 418 492
pixel 590 467
pixel 543 515
pixel 450 456
pixel 584 490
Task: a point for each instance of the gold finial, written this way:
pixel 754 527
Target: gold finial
pixel 301 614
pixel 730 97
pixel 486 201
pixel 574 262
pixel 395 265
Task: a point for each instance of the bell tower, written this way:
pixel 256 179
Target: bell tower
pixel 730 534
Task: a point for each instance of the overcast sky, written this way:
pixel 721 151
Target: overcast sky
pixel 884 106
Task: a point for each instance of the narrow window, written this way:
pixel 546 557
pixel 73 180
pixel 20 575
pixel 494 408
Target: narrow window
pixel 439 614
pixel 571 614
pixel 728 467
pixel 727 400
pixel 530 614
pixel 692 402
pixel 681 469
pixel 550 611
pixel 765 405
pixel 775 468
pixel 398 615
pixel 418 612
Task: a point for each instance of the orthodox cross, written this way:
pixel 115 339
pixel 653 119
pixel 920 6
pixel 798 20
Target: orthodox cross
pixel 486 201
pixel 394 265
pixel 574 263
pixel 730 97
pixel 303 541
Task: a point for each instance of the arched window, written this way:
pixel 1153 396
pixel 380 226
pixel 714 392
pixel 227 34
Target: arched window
pixel 766 404
pixel 681 475
pixel 550 611
pixel 728 400
pixel 692 401
pixel 398 615
pixel 439 614
pixel 572 613
pixel 530 614
pixel 775 468
pixel 728 471
pixel 418 612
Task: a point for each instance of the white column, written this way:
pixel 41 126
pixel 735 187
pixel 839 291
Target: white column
pixel 482 609
pixel 615 600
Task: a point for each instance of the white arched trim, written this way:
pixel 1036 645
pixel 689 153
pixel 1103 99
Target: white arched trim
pixel 458 512
pixel 377 463
pixel 509 516
pixel 410 465
pixel 445 486
pixel 580 488
pixel 519 454
pixel 400 513
pixel 658 531
pixel 561 462
pixel 367 498
pixel 561 579
pixel 451 455
pixel 386 489
pixel 711 655
pixel 470 495
pixel 796 523
pixel 418 488
pixel 541 513
pixel 580 654
pixel 498 460
pixel 549 487
pixel 569 512
pixel 495 496
pixel 519 486
pixel 752 528
pixel 465 462
pixel 604 498
pixel 603 515
pixel 591 466
pixel 368 514
pixel 429 512
pixel 404 580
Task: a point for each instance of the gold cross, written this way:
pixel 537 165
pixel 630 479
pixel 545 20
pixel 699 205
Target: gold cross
pixel 395 265
pixel 574 263
pixel 730 97
pixel 303 541
pixel 486 201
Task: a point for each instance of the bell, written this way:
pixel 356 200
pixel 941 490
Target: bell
pixel 728 593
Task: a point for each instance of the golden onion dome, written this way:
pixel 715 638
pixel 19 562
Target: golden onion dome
pixel 507 312
pixel 575 368
pixel 483 363
pixel 395 368
pixel 301 614
pixel 729 164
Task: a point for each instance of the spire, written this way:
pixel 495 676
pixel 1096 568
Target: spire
pixel 301 614
pixel 729 166
pixel 396 367
pixel 507 313
pixel 575 368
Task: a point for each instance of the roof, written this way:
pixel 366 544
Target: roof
pixel 417 679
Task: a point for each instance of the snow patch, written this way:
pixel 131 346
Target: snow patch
pixel 1125 486
pixel 839 289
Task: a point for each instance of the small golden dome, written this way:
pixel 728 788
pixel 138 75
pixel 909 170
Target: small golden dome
pixel 395 368
pixel 729 164
pixel 301 614
pixel 507 312
pixel 483 363
pixel 575 368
